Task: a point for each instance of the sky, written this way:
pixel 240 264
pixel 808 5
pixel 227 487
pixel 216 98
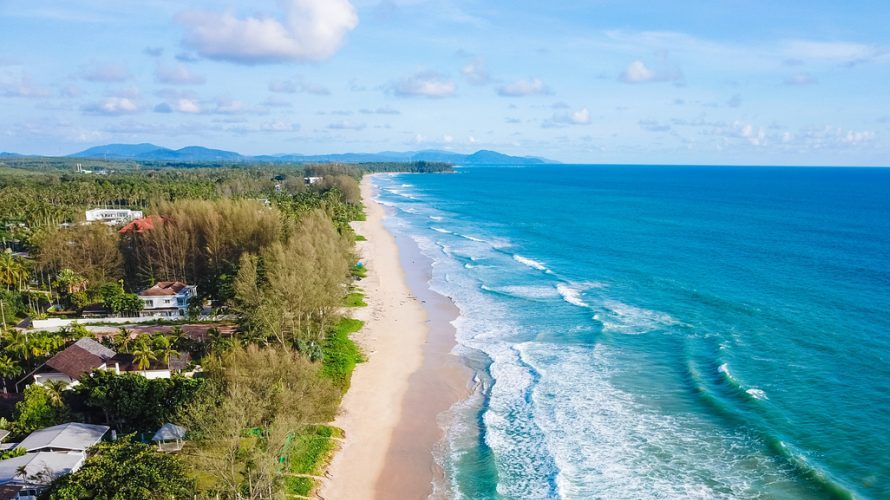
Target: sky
pixel 589 81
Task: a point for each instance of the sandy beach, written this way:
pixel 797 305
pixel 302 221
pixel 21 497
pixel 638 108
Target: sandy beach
pixel 410 377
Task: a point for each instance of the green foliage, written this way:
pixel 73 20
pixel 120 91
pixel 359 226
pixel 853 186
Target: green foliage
pixel 359 271
pixel 310 448
pixel 122 470
pixel 359 237
pixel 42 407
pixel 341 354
pixel 355 299
pixel 14 272
pixel 12 453
pixel 131 402
pixel 119 301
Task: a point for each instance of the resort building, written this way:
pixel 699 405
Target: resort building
pixel 87 355
pixel 112 216
pixel 167 299
pixel 51 453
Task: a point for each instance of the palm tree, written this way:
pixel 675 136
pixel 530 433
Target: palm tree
pixel 122 340
pixel 164 349
pixel 143 355
pixel 54 390
pixel 12 270
pixel 20 344
pixel 8 369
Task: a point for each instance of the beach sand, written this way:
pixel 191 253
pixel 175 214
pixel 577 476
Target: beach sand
pixel 389 413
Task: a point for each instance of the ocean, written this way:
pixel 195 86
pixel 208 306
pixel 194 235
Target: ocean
pixel 661 331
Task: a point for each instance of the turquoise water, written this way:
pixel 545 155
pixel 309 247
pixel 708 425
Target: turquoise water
pixel 662 332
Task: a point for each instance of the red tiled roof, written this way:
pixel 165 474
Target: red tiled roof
pixel 162 288
pixel 142 225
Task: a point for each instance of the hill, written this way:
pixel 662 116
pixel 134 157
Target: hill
pixel 151 152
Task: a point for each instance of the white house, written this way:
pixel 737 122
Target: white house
pixel 113 216
pixel 167 299
pixel 87 355
pixel 51 452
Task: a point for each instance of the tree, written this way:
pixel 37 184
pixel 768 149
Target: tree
pixel 8 369
pixel 40 408
pixel 13 271
pixel 131 402
pixel 19 343
pixel 122 470
pixel 143 354
pixel 163 349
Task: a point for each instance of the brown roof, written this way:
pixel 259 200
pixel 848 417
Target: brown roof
pixel 163 288
pixel 83 356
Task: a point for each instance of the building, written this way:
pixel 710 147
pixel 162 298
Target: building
pixel 69 365
pixel 87 355
pixel 26 476
pixel 167 299
pixel 51 453
pixel 72 437
pixel 112 216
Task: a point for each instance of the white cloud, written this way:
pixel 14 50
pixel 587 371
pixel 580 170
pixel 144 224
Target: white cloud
pixel 298 85
pixel 177 74
pixel 230 107
pixel 844 52
pixel 638 72
pixel 385 110
pixel 800 79
pixel 107 72
pixel 346 125
pixel 522 88
pixel 578 117
pixel 424 84
pixel 476 73
pixel 16 83
pixel 309 30
pixel 113 106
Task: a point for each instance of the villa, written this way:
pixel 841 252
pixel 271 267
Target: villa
pixel 167 299
pixel 112 216
pixel 86 355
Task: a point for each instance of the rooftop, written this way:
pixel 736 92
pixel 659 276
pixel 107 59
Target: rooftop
pixel 55 464
pixel 163 288
pixel 83 356
pixel 71 436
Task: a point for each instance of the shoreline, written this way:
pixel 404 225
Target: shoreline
pixel 390 412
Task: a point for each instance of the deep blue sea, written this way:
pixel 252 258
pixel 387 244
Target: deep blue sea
pixel 662 332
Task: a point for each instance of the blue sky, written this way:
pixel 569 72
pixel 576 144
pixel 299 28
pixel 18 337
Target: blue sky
pixel 723 81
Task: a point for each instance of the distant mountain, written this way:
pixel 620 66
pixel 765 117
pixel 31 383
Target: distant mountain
pixel 9 155
pixel 151 152
pixel 120 151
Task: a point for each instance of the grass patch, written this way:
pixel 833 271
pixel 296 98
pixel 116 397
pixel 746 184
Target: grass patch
pixel 340 353
pixel 359 237
pixel 310 450
pixel 359 272
pixel 355 299
pixel 301 486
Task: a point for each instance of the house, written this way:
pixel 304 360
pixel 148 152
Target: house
pixel 112 216
pixel 312 180
pixel 69 365
pixel 87 355
pixel 26 476
pixel 167 299
pixel 72 437
pixel 52 452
